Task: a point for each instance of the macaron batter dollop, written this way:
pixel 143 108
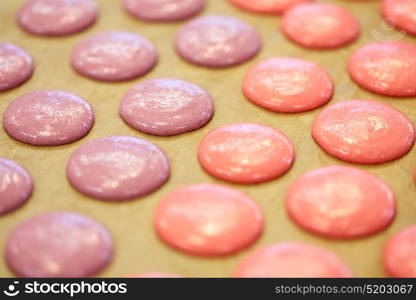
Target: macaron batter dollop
pixel 57 17
pixel 217 41
pixel 387 69
pixel 267 6
pixel 16 66
pixel 288 85
pixel 340 202
pixel 48 118
pixel 16 185
pixel 363 131
pixel 208 219
pixel 59 244
pixel 114 56
pixel 118 168
pixel 290 260
pixel 246 153
pixel 320 25
pixel 399 254
pixel 401 14
pixel 163 10
pixel 166 106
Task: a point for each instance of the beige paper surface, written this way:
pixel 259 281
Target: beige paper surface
pixel 137 247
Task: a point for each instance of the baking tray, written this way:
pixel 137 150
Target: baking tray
pixel 137 247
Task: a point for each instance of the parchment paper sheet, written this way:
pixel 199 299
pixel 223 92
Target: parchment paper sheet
pixel 137 247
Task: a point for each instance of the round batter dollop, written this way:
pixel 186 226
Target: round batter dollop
pixel 117 168
pixel 16 66
pixel 217 41
pixel 163 10
pixel 166 107
pixel 57 17
pixel 16 185
pixel 246 153
pixel 288 85
pixel 290 260
pixel 207 219
pixel 399 255
pixel 267 6
pixel 58 244
pixel 387 69
pixel 401 14
pixel 48 118
pixel 320 25
pixel 363 131
pixel 114 56
pixel 340 202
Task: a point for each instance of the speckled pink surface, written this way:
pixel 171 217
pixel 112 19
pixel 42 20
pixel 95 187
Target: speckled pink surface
pixel 16 185
pixel 166 107
pixel 217 41
pixel 57 17
pixel 340 202
pixel 320 25
pixel 386 68
pixel 401 14
pixel 114 56
pixel 48 118
pixel 58 245
pixel 364 131
pixel 399 255
pixel 288 85
pixel 208 219
pixel 118 168
pixel 246 153
pixel 291 259
pixel 267 6
pixel 163 10
pixel 16 66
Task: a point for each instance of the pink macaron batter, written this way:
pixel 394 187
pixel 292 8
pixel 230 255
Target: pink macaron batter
pixel 48 118
pixel 59 244
pixel 166 106
pixel 118 168
pixel 16 185
pixel 217 41
pixel 16 66
pixel 163 10
pixel 114 56
pixel 57 17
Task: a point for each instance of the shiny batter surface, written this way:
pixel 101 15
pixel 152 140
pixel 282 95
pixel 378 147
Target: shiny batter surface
pixel 320 25
pixel 163 10
pixel 399 255
pixel 217 41
pixel 117 168
pixel 289 260
pixel 16 185
pixel 58 244
pixel 16 66
pixel 48 118
pixel 166 106
pixel 246 153
pixel 114 56
pixel 340 202
pixel 401 14
pixel 57 17
pixel 207 219
pixel 267 6
pixel 288 85
pixel 387 69
pixel 363 131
